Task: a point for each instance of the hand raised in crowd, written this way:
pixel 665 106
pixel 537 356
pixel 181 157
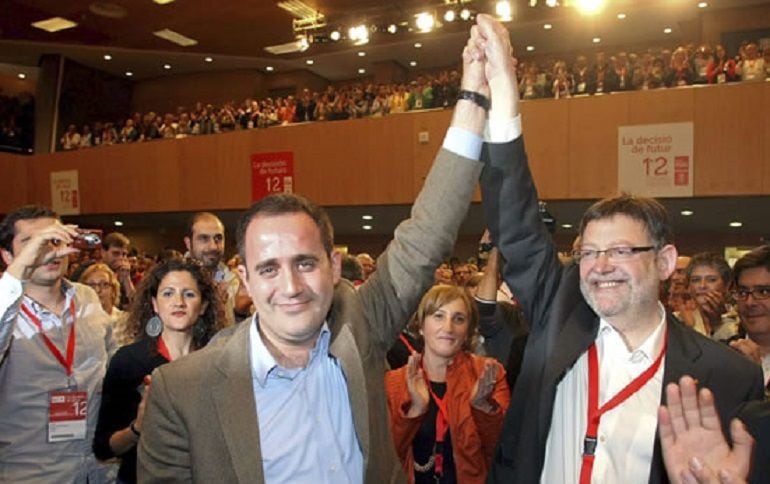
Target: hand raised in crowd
pixel 691 435
pixel 713 305
pixel 417 386
pixel 44 247
pixel 483 388
pixel 749 349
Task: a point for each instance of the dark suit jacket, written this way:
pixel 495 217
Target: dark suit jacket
pixel 563 326
pixel 201 421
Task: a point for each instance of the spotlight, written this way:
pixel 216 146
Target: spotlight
pixel 503 10
pixel 597 40
pixel 417 45
pixel 590 7
pixel 362 54
pixel 129 74
pixel 465 14
pixel 269 68
pixel 359 34
pixel 22 75
pixel 551 3
pixel 547 26
pixel 208 59
pixel 362 70
pixel 167 66
pixel 310 62
pixel 335 35
pixel 107 57
pixel 703 4
pixel 392 29
pixel 621 16
pixel 425 21
pixel 413 63
pixel 530 48
pixel 450 16
pixel 667 30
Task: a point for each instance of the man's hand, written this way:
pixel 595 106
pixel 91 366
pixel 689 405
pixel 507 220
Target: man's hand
pixel 712 306
pixel 749 349
pixel 500 67
pixel 691 434
pixel 474 76
pixel 42 248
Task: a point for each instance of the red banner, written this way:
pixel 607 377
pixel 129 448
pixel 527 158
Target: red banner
pixel 271 173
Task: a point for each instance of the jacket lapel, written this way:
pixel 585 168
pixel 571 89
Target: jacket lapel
pixel 233 396
pixel 345 349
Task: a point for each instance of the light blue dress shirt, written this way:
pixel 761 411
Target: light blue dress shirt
pixel 306 430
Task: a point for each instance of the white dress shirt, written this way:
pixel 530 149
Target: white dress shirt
pixel 626 434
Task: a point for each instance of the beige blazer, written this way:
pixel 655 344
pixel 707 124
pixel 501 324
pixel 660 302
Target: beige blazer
pixel 201 422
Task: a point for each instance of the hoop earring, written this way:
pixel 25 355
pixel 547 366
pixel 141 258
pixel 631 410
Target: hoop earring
pixel 154 327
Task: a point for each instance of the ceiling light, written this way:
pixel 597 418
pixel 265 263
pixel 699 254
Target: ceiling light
pixel 310 62
pixel 54 24
pixel 208 59
pixel 465 14
pixel 596 40
pixel 566 226
pixel 425 21
pixel 503 10
pixel 269 68
pixel 175 37
pixel 736 224
pixel 551 3
pixel 359 34
pixel 621 16
pixel 335 35
pixel 361 70
pixel 367 217
pixel 366 227
pixel 703 4
pixel 530 48
pixel 413 63
pixel 392 29
pixel 450 15
pixel 299 9
pixel 589 7
pixel 667 30
pixel 167 66
pixel 547 26
pixel 22 75
pixel 107 57
pixel 362 54
pixel 129 74
pixel 163 2
pixel 686 213
pixel 118 223
pixel 417 45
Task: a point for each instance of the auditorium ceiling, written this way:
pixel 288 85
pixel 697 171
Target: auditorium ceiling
pixel 234 33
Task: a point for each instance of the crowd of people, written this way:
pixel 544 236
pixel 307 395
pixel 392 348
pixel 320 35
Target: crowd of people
pixel 17 123
pixel 276 373
pixel 624 71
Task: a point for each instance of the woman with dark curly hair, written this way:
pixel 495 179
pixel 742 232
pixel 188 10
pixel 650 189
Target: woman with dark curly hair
pixel 175 310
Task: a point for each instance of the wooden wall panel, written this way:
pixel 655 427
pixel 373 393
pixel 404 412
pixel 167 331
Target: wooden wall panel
pixel 593 133
pixel 15 185
pixel 728 139
pixel 548 146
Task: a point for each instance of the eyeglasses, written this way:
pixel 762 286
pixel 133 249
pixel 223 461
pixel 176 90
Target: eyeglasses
pixel 758 293
pixel 99 285
pixel 613 253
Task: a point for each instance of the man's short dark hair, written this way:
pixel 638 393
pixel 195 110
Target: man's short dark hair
pixel 351 268
pixel 194 219
pixel 648 211
pixel 759 257
pixel 27 212
pixel 713 260
pixel 282 204
pixel 115 239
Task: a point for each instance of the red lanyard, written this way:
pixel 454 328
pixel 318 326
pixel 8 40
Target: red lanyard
pixel 595 412
pixel 67 364
pixel 442 419
pixel 163 349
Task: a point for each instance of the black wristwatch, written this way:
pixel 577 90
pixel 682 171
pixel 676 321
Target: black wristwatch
pixel 133 429
pixel 477 98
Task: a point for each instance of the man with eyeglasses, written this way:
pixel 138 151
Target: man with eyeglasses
pixel 601 346
pixel 752 293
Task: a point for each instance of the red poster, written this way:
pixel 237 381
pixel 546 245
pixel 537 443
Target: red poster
pixel 271 173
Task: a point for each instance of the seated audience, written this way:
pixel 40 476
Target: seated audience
pixel 176 311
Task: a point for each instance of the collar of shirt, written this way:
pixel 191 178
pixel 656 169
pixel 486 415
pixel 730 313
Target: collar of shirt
pixel 263 364
pixel 44 313
pixel 610 343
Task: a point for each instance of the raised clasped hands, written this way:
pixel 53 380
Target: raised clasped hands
pixel 417 385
